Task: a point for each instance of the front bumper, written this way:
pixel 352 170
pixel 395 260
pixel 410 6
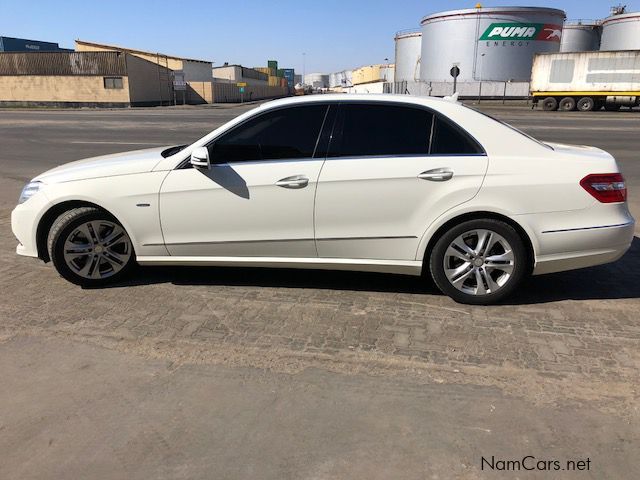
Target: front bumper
pixel 24 224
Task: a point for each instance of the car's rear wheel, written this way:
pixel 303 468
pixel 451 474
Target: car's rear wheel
pixel 479 261
pixel 89 247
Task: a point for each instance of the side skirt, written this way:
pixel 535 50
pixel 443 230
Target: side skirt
pixel 403 267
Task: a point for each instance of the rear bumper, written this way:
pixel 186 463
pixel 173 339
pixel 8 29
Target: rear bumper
pixel 583 247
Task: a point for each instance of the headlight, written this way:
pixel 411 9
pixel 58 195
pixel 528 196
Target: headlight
pixel 29 190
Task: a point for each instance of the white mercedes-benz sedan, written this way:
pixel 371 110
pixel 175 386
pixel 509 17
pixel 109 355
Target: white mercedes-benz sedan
pixel 378 183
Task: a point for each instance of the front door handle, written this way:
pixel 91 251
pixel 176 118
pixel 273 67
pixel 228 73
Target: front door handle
pixel 437 175
pixel 297 181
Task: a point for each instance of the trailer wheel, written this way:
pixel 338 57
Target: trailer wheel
pixel 567 104
pixel 586 104
pixel 549 104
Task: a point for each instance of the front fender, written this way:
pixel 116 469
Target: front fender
pixel 131 199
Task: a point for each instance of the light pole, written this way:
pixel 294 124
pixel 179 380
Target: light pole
pixel 480 78
pixel 304 66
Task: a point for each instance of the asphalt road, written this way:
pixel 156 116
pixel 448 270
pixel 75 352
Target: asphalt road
pixel 249 373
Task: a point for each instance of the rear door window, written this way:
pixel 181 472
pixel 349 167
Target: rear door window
pixel 370 130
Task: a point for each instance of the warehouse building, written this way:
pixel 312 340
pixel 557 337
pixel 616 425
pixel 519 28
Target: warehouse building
pixel 80 79
pixel 235 83
pixel 10 44
pixel 196 73
pixel 194 70
pixel 239 74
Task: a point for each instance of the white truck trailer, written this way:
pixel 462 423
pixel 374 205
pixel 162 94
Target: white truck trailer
pixel 586 80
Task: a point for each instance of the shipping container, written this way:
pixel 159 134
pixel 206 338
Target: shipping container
pixel 586 80
pixel 274 81
pixel 10 44
pixel 273 64
pixel 289 74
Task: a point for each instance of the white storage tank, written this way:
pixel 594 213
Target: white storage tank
pixel 496 43
pixel 316 80
pixel 333 80
pixel 387 73
pixel 408 51
pixel 581 36
pixel 337 79
pixel 621 32
pixel 348 78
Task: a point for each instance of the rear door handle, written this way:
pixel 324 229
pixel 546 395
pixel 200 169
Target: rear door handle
pixel 437 175
pixel 297 181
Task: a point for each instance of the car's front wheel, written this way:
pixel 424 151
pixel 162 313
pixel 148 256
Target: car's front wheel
pixel 479 261
pixel 89 247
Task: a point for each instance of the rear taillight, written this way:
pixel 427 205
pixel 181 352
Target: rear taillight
pixel 605 187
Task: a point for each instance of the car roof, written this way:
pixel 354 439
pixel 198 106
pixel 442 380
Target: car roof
pixel 351 97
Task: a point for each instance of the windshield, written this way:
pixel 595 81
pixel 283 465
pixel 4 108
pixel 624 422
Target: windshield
pixel 510 126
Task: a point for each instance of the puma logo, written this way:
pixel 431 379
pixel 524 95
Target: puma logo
pixel 554 33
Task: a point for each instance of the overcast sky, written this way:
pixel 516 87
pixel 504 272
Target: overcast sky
pixel 335 35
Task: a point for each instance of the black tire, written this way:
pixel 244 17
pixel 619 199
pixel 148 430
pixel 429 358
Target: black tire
pixel 549 104
pixel 520 268
pixel 69 222
pixel 586 104
pixel 567 104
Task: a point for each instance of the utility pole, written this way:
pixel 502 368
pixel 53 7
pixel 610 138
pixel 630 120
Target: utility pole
pixel 480 75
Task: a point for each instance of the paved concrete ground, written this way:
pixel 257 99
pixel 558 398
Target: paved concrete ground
pixel 248 373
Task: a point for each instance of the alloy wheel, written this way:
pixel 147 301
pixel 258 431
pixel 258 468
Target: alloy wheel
pixel 97 249
pixel 479 262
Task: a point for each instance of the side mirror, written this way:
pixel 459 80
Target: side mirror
pixel 200 158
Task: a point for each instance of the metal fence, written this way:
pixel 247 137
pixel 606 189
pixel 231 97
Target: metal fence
pixel 63 63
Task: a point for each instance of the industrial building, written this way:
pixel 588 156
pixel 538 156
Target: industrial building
pixel 196 73
pixel 254 85
pixel 79 79
pixel 194 70
pixel 10 44
pixel 239 74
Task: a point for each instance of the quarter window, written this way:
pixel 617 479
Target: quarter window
pixel 449 139
pixel 286 133
pixel 382 130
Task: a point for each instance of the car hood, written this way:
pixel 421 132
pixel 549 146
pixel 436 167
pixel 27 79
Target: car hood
pixel 124 163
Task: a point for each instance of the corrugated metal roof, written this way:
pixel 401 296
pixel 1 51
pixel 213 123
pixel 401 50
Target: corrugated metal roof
pixel 63 63
pixel 134 51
